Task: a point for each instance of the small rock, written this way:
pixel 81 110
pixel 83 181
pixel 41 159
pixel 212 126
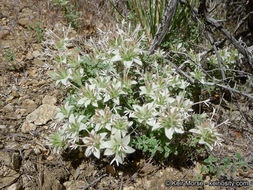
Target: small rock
pixel 20 113
pixel 27 127
pixel 36 53
pixel 4 32
pixel 25 180
pixel 29 105
pixel 24 21
pixel 45 127
pixel 9 99
pixel 236 116
pixel 36 150
pixel 38 62
pixel 51 100
pixel 8 108
pixel 9 178
pixel 129 188
pixel 36 46
pixel 40 83
pixel 5 158
pixel 27 153
pixel 197 169
pixel 29 55
pixel 42 114
pixel 50 182
pixel 12 145
pixel 82 166
pixel 15 94
pixel 73 185
pixel 26 146
pixel 2 126
pixel 50 158
pixel 6 44
pixel 11 159
pixel 14 186
pixel 32 72
pixel 67 184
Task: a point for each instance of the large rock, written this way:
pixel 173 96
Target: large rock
pixel 9 177
pixel 42 114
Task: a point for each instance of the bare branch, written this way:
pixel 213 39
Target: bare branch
pixel 192 81
pixel 236 43
pixel 219 59
pixel 164 27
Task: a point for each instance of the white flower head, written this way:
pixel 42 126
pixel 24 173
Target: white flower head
pixel 93 143
pixel 103 119
pixel 207 134
pixel 144 113
pixel 171 121
pixel 64 112
pixel 118 146
pixel 89 95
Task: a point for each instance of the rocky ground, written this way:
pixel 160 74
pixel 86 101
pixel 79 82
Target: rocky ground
pixel 28 102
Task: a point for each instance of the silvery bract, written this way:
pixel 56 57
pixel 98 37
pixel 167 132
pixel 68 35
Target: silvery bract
pixel 117 146
pixel 207 134
pixel 93 143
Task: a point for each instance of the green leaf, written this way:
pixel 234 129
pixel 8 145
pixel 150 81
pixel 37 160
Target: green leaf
pixel 238 155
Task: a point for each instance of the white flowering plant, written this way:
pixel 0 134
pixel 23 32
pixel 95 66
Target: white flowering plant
pixel 118 105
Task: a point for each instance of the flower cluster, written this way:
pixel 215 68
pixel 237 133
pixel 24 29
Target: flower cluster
pixel 118 94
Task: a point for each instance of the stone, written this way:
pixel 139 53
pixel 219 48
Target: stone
pixel 11 177
pixel 29 55
pixel 29 105
pixel 4 32
pixel 20 113
pixel 36 150
pixel 42 114
pixel 27 127
pixel 51 100
pixel 5 158
pixel 8 108
pixel 236 116
pixel 197 169
pixel 129 188
pixel 26 146
pixel 32 72
pixel 14 186
pixel 50 182
pixel 11 159
pixel 36 53
pixel 2 126
pixel 24 21
pixel 38 62
pixel 73 185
